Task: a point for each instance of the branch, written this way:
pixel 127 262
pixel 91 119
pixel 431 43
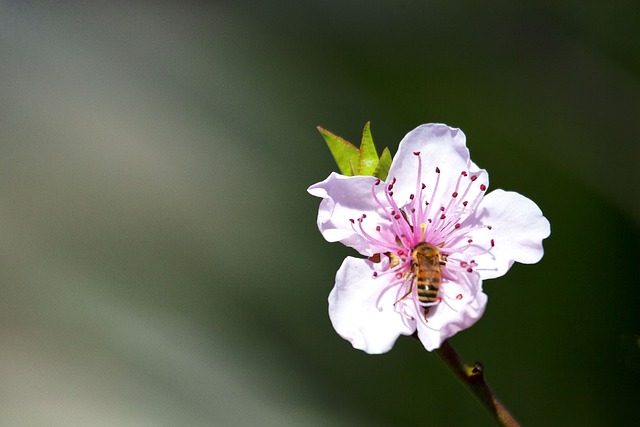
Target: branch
pixel 473 378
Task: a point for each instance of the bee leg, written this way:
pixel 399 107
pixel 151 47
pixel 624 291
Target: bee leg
pixel 405 295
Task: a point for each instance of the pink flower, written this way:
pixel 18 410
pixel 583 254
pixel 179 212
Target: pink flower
pixel 430 235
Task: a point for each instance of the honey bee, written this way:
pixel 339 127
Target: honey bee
pixel 426 265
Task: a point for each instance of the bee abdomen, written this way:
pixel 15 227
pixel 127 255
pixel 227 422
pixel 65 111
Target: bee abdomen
pixel 428 292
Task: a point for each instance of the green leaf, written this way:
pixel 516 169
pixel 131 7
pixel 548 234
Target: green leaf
pixel 383 165
pixel 368 158
pixel 345 153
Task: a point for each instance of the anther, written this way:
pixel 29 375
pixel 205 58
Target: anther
pixel 423 186
pixel 377 228
pixel 411 196
pixel 352 221
pixel 463 264
pixel 443 216
pixel 473 178
pixel 457 226
pixel 493 243
pixel 483 187
pixel 377 182
pixel 469 270
pixel 489 227
pixel 465 203
pixel 455 194
pixel 437 169
pixel 416 153
pixel 459 296
pixel 464 173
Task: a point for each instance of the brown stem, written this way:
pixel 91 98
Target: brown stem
pixel 473 378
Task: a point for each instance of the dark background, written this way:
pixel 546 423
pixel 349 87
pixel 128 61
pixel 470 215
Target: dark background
pixel 160 262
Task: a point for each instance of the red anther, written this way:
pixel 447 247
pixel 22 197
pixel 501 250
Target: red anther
pixel 455 194
pixel 464 173
pixel 442 208
pixel 457 226
pixel 483 187
pixel 473 178
pixel 400 253
pixel 443 216
pixel 493 243
pixel 470 241
pixel 394 181
pixel 463 264
pixel 465 203
pixel 377 228
pixel 352 220
pixel 364 215
pixel 411 196
pixel 413 210
pixel 417 153
pixel 469 270
pixel 390 187
pixel 397 216
pixel 375 274
pixel 437 169
pixel 398 275
pixel 459 296
pixel 423 186
pixel 489 227
pixel 390 193
pixel 429 220
pixel 377 182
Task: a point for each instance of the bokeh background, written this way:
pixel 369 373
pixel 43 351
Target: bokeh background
pixel 160 262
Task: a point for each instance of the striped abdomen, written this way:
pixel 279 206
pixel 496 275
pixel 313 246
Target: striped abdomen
pixel 426 267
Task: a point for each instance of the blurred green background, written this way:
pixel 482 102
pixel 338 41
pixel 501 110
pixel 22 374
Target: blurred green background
pixel 160 262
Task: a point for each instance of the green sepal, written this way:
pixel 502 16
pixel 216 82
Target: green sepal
pixel 383 165
pixel 345 153
pixel 358 161
pixel 368 158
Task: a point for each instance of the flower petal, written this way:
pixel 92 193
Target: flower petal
pixel 360 312
pixel 346 198
pixel 517 228
pixel 440 146
pixel 461 307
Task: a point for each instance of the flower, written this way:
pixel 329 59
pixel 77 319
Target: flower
pixel 432 225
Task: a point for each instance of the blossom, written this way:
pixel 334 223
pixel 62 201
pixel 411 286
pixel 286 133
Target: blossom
pixel 435 198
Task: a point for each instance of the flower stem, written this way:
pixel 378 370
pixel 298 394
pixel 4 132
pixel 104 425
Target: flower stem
pixel 473 378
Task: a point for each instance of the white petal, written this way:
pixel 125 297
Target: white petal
pixel 346 198
pixel 440 146
pixel 517 228
pixel 358 311
pixel 461 307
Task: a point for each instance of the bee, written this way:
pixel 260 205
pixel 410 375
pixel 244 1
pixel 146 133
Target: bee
pixel 426 267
